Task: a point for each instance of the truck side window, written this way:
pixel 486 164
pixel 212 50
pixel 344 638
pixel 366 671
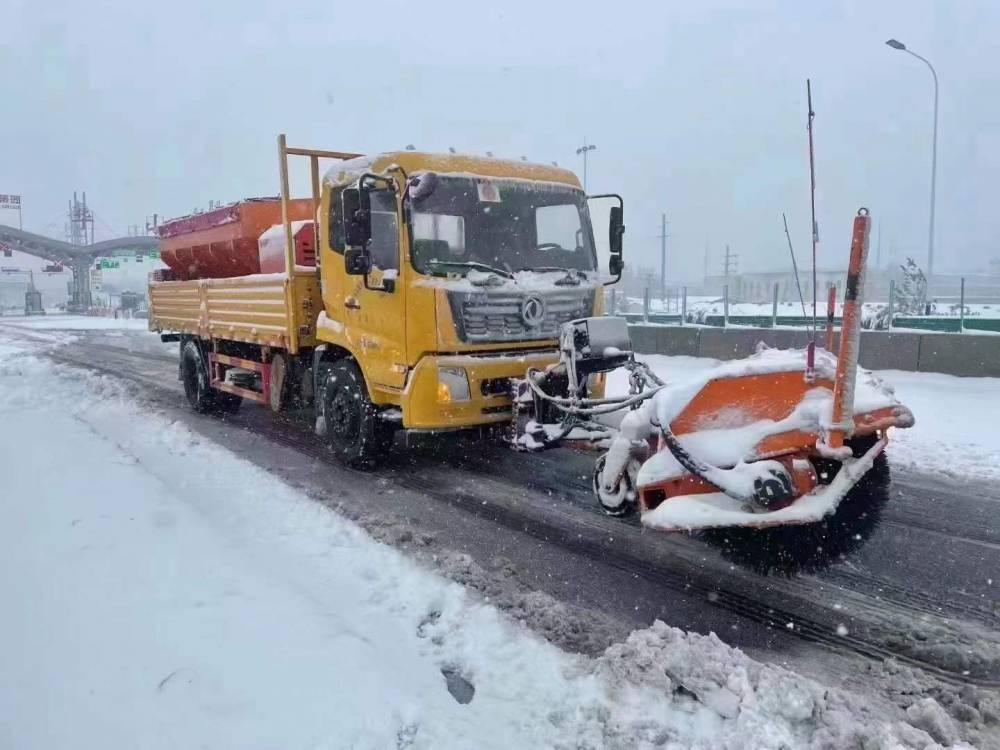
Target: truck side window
pixel 336 221
pixel 384 246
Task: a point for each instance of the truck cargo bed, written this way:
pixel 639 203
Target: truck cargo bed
pixel 266 309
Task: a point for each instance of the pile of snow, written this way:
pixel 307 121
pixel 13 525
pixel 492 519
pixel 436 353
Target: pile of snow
pixel 169 594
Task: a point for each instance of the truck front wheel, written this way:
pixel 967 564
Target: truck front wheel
pixel 357 434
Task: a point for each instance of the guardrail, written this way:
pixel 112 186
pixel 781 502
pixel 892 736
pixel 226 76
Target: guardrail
pixel 929 323
pixel 969 355
pixel 959 323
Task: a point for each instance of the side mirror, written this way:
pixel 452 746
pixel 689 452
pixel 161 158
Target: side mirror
pixel 357 261
pixel 357 217
pixel 616 228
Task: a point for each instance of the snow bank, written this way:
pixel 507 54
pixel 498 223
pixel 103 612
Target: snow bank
pixel 169 594
pixel 60 321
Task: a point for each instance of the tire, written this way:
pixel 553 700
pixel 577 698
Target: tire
pixel 357 434
pixel 617 504
pixel 200 395
pixel 279 396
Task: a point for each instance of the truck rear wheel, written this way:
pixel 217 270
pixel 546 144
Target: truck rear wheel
pixel 357 434
pixel 281 383
pixel 194 375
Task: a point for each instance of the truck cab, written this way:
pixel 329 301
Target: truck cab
pixel 406 293
pixel 443 277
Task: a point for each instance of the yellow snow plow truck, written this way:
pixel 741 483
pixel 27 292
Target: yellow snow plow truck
pixel 428 293
pixel 405 294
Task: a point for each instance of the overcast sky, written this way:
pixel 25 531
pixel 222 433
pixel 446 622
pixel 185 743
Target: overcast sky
pixel 697 109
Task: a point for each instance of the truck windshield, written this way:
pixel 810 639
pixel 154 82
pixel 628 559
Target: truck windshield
pixel 500 225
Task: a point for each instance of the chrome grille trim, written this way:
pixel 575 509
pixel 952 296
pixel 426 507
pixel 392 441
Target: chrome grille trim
pixel 491 316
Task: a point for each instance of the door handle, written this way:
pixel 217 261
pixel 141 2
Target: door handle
pixel 352 303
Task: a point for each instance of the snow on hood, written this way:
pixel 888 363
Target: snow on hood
pixel 527 281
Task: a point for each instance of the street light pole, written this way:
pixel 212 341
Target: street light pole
pixel 583 150
pixel 897 45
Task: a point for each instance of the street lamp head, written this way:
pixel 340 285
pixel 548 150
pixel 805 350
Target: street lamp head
pixel 895 44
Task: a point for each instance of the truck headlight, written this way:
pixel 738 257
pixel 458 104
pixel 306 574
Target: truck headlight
pixel 453 384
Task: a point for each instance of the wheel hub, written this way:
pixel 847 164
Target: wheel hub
pixel 341 416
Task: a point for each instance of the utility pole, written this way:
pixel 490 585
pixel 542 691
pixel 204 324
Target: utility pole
pixel 81 219
pixel 663 256
pixel 81 222
pixel 583 151
pixel 729 264
pixel 704 272
pixel 729 268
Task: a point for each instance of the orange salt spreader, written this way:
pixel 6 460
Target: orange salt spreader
pixel 223 242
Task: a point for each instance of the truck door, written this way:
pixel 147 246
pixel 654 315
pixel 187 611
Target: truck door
pixel 375 318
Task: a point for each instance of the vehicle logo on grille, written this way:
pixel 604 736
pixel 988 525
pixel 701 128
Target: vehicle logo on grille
pixel 533 311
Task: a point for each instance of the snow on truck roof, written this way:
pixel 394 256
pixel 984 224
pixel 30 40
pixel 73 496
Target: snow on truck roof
pixel 413 162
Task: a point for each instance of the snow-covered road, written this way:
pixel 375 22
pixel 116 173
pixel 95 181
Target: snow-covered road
pixel 163 593
pixel 169 594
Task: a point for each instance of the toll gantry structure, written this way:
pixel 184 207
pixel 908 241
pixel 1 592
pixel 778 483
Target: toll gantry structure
pixel 78 252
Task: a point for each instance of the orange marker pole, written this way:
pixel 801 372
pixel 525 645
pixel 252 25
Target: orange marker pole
pixel 850 333
pixel 831 307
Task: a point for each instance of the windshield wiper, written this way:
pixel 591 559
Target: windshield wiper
pixel 572 278
pixel 472 264
pixel 547 269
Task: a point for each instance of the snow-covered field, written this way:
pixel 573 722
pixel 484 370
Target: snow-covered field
pixel 64 322
pixel 162 592
pixel 956 431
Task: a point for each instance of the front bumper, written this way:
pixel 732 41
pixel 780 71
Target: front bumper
pixel 424 409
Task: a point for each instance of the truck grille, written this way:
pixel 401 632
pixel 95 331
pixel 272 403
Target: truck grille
pixel 496 316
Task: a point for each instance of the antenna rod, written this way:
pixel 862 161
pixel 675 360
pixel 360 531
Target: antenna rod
pixel 795 266
pixel 812 199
